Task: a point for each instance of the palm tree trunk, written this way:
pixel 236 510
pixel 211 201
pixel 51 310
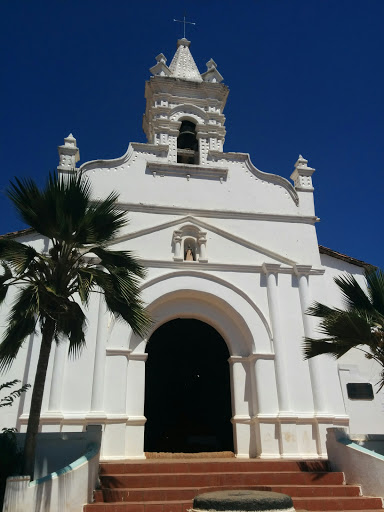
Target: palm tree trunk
pixel 37 398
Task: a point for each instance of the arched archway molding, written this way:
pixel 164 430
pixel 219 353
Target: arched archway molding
pixel 223 297
pixel 239 321
pixel 188 112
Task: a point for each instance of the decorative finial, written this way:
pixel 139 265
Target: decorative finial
pixel 69 154
pixel 212 75
pixel 185 22
pixel 302 175
pixel 160 68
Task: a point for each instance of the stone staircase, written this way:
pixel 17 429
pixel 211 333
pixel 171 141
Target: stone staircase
pixel 170 485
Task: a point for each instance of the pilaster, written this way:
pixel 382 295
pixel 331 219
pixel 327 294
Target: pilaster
pixel 271 271
pixel 97 399
pixel 316 373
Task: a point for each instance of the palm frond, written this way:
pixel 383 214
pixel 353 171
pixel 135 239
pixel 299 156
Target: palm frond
pixel 321 310
pixel 101 222
pixel 343 331
pixel 123 302
pixel 18 256
pixel 21 323
pixel 133 313
pixel 375 281
pixel 71 324
pixel 353 327
pixel 84 285
pixel 4 286
pixel 380 383
pixel 122 259
pixel 313 347
pixel 353 295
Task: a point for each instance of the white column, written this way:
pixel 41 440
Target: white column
pixel 177 241
pixel 271 271
pixel 242 408
pixel 59 362
pixel 318 384
pixel 134 443
pixel 97 401
pixel 202 240
pixel 241 389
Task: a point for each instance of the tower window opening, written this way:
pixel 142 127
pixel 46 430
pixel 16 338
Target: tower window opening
pixel 187 144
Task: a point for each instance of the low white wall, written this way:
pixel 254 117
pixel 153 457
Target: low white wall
pixel 360 466
pixel 66 490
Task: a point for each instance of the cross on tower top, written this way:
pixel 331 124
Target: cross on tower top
pixel 185 22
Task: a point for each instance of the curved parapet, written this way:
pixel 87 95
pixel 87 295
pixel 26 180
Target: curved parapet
pixel 275 179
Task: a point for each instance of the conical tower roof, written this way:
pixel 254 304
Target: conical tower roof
pixel 182 65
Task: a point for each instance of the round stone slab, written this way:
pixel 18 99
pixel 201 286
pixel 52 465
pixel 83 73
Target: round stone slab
pixel 243 500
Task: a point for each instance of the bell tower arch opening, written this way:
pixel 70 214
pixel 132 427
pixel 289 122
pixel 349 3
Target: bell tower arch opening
pixel 187 144
pixel 187 389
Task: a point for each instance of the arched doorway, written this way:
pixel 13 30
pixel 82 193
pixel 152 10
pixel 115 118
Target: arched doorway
pixel 187 389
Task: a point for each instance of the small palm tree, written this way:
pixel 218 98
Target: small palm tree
pixel 360 325
pixel 50 285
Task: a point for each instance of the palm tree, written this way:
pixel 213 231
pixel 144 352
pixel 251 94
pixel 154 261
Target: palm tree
pixel 360 325
pixel 50 285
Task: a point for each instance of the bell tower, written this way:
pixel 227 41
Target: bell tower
pixel 184 109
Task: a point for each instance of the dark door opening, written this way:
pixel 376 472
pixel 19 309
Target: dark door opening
pixel 187 390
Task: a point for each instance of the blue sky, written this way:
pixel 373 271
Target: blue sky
pixel 305 76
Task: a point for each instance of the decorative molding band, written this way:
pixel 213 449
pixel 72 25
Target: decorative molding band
pixel 225 267
pixel 119 351
pixel 301 418
pixel 160 150
pixel 219 214
pixel 48 417
pixel 84 418
pixel 243 419
pixel 133 356
pixel 187 170
pixel 136 420
pixel 251 357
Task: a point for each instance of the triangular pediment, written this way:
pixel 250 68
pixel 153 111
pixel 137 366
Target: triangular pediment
pixel 226 245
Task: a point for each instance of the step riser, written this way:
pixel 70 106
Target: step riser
pixel 212 467
pixel 127 495
pixel 139 507
pixel 323 504
pixel 132 481
pixel 310 505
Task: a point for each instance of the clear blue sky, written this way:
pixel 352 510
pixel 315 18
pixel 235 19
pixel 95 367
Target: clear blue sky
pixel 305 76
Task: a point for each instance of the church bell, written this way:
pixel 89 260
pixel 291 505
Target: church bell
pixel 187 138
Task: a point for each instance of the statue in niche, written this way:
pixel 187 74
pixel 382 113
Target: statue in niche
pixel 189 256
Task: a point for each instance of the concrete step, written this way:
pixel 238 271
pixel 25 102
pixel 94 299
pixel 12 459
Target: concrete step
pixel 188 493
pixel 211 466
pixel 301 504
pixel 220 479
pixel 323 504
pixel 170 486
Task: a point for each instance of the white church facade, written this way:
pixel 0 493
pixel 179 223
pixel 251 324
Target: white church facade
pixel 233 264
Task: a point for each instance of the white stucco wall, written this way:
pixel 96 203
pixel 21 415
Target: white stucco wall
pixel 258 269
